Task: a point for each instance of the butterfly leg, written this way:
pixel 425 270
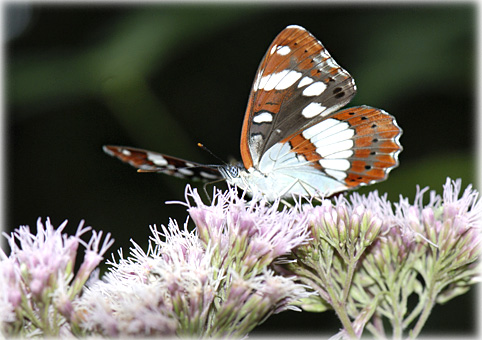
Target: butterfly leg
pixel 301 183
pixel 205 185
pixel 317 196
pixel 206 190
pixel 311 191
pixel 285 202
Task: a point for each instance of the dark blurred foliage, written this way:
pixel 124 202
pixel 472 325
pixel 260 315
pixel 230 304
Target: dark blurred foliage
pixel 164 77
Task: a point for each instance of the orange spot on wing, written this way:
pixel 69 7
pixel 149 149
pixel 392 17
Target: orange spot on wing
pixel 376 173
pixel 363 142
pixel 354 180
pixel 362 153
pixel 386 159
pixel 303 146
pixel 358 166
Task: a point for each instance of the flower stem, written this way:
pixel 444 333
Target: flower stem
pixel 340 310
pixel 415 312
pixel 424 315
pixel 349 278
pixel 329 295
pixel 397 326
pixel 376 327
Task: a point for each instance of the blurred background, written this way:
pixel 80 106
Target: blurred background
pixel 164 77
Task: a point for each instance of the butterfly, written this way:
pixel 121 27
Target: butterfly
pixel 295 140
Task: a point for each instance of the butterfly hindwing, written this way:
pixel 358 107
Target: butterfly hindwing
pixel 149 161
pixel 356 146
pixel 297 83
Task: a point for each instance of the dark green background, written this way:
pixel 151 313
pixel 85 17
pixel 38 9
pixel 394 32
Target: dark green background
pixel 164 77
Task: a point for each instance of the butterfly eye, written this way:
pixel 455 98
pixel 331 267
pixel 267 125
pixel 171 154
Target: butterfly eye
pixel 234 171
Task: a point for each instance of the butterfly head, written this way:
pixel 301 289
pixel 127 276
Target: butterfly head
pixel 230 171
pixel 234 174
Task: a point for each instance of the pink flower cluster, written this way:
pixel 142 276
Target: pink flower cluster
pixel 362 256
pixel 37 280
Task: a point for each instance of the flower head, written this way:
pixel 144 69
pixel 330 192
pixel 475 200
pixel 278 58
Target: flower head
pixel 177 287
pixel 37 278
pixel 370 255
pixel 139 294
pixel 10 290
pixel 252 233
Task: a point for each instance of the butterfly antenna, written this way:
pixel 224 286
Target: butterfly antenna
pixel 210 152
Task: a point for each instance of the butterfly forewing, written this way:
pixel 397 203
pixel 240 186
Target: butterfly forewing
pixel 297 85
pixel 149 161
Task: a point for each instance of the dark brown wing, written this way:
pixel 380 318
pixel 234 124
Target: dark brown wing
pixel 149 161
pixel 297 85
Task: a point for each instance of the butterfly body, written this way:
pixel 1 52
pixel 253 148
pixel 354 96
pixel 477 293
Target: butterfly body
pixel 277 179
pixel 294 140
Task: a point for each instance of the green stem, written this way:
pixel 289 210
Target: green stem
pixel 329 295
pixel 340 310
pixel 415 312
pixel 397 323
pixel 44 312
pixel 349 278
pixel 377 334
pixel 424 315
pixel 378 324
pixel 28 313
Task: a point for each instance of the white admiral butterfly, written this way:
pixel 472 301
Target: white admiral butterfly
pixel 294 141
